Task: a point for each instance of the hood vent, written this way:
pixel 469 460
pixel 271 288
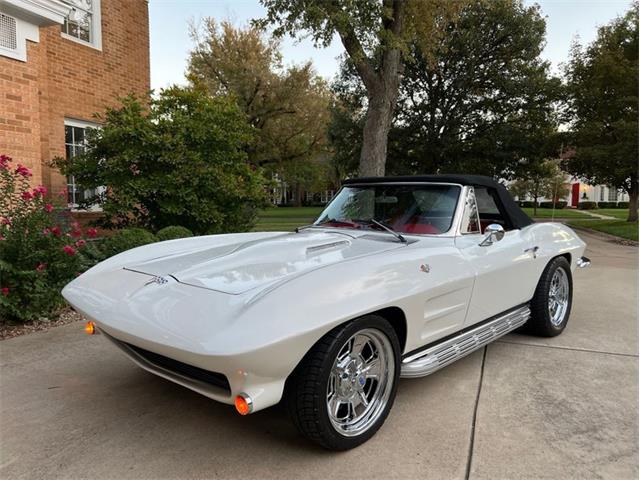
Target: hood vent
pixel 326 246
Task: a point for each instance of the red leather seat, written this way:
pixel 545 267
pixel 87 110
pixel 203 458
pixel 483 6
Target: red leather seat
pixel 484 224
pixel 424 228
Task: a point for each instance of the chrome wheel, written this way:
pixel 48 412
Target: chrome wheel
pixel 558 297
pixel 360 382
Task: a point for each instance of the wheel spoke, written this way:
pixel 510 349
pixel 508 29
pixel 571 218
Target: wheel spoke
pixel 372 368
pixel 363 399
pixel 359 342
pixel 334 405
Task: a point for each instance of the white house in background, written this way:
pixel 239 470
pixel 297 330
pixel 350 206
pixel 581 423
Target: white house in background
pixel 579 191
pixel 582 192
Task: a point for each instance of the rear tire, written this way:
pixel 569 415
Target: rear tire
pixel 551 304
pixel 343 389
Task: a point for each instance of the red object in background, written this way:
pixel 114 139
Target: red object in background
pixel 575 194
pixel 417 228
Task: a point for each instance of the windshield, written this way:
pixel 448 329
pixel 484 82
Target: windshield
pixel 421 209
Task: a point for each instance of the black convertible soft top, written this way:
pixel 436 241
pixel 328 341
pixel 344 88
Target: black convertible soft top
pixel 507 205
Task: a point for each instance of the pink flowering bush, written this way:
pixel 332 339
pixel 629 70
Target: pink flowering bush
pixel 40 249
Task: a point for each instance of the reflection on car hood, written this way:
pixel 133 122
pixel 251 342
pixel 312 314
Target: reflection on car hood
pixel 243 266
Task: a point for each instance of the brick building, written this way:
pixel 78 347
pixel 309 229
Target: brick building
pixel 62 61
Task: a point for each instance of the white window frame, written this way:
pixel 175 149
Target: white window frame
pixel 613 194
pixel 70 122
pixel 95 28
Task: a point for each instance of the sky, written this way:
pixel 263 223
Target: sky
pixel 170 42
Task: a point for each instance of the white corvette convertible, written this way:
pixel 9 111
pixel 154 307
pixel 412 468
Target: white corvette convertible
pixel 399 276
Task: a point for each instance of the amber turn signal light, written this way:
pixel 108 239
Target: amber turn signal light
pixel 243 403
pixel 90 328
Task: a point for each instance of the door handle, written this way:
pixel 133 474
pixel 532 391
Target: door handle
pixel 532 250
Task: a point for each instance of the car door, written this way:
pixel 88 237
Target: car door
pixel 503 269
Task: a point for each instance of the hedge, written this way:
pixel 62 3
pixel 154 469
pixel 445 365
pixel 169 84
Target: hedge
pixel 587 206
pixel 559 204
pixel 173 233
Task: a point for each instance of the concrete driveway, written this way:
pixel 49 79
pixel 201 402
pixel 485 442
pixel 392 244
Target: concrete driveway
pixel 73 407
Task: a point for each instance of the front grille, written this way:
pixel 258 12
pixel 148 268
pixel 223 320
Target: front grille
pixel 196 373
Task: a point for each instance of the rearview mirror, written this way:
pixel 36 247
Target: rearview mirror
pixel 494 232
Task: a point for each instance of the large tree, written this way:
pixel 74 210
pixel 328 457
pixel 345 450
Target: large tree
pixel 478 100
pixel 375 36
pixel 288 107
pixel 602 85
pixel 175 159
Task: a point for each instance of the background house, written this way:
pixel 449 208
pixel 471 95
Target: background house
pixel 62 61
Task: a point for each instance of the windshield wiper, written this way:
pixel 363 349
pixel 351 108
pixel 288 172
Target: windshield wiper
pixel 388 229
pixel 311 225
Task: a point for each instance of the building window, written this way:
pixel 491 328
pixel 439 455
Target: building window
pixel 601 194
pixel 83 22
pixel 75 133
pixel 613 194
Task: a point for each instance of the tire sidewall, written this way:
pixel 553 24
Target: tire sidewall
pixel 553 266
pixel 342 442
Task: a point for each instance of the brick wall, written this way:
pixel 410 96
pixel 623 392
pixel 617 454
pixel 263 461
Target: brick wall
pixel 65 79
pixel 20 109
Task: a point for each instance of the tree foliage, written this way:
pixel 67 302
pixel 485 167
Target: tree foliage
pixel 178 160
pixel 602 86
pixel 479 100
pixel 376 37
pixel 288 107
pixel 543 179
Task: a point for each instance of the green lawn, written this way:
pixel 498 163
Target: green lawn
pixel 614 227
pixel 276 219
pixel 621 213
pixel 559 213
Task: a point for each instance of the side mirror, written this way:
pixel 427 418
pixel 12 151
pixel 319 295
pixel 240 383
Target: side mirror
pixel 494 232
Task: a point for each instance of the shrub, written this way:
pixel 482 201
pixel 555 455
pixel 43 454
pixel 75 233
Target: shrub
pixel 606 204
pixel 126 239
pixel 624 205
pixel 587 206
pixel 526 204
pixel 178 158
pixel 559 204
pixel 40 249
pixel 172 233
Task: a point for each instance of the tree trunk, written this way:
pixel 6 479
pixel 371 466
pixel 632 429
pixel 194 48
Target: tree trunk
pixel 376 132
pixel 298 198
pixel 633 202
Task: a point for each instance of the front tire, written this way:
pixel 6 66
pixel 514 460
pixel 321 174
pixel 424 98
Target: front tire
pixel 342 391
pixel 551 304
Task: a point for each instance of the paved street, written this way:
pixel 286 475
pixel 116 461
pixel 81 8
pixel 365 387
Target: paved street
pixel 73 407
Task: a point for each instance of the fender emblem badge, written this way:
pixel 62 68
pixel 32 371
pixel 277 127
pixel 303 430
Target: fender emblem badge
pixel 425 268
pixel 158 280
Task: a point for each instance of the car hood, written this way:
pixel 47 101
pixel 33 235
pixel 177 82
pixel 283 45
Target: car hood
pixel 244 266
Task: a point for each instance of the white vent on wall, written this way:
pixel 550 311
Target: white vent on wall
pixel 8 32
